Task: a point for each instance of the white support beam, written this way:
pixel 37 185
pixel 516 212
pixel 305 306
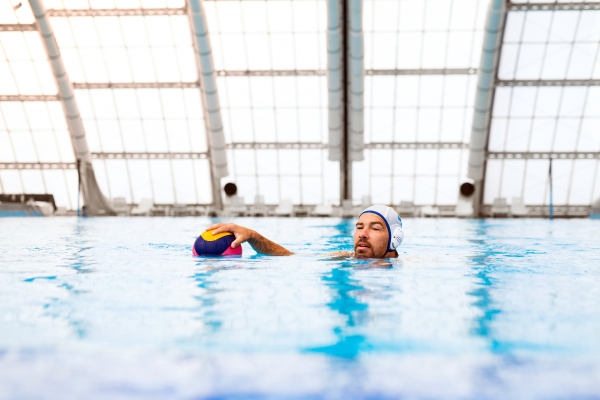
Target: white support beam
pixel 210 97
pixel 95 202
pixel 334 79
pixel 484 97
pixel 356 75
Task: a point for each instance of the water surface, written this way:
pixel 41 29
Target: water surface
pixel 119 308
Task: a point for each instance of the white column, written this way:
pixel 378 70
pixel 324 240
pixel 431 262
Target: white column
pixel 335 79
pixel 210 97
pixel 492 42
pixel 356 128
pixel 95 202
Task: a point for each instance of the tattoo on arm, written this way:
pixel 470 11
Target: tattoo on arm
pixel 263 245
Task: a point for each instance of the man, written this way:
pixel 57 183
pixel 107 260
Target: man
pixel 378 233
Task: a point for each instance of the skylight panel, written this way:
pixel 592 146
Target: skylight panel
pixel 263 108
pixel 26 69
pixel 289 162
pixel 422 176
pixel 11 181
pixel 430 35
pixel 551 45
pixel 12 13
pixel 278 35
pixel 33 181
pixel 63 186
pixel 24 147
pixel 183 175
pixel 141 181
pixel 162 180
pixel 126 49
pixel 426 108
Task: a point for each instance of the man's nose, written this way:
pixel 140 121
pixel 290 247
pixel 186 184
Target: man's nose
pixel 362 234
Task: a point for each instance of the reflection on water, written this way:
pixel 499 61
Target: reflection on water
pixel 339 280
pixel 481 259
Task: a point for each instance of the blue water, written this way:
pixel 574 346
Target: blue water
pixel 115 308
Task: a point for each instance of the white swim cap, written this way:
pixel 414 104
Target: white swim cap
pixel 393 223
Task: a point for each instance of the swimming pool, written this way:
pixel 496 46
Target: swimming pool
pixel 473 309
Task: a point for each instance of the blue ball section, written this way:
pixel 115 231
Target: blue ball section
pixel 214 247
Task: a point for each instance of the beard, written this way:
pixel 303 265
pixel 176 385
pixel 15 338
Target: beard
pixel 363 251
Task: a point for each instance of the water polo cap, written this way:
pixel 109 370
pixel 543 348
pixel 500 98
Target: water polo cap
pixel 393 223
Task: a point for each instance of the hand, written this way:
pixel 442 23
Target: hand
pixel 241 234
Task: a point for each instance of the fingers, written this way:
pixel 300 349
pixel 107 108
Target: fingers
pixel 215 226
pixel 224 228
pixel 220 230
pixel 236 242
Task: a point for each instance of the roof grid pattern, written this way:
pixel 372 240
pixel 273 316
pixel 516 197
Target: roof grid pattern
pixel 136 84
pixel 439 42
pixel 32 124
pixel 559 47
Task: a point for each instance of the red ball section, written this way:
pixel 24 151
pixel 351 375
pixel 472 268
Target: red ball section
pixel 211 245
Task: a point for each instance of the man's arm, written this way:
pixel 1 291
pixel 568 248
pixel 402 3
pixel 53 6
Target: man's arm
pixel 258 242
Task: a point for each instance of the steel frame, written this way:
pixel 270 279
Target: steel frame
pixel 549 82
pixel 17 27
pixel 38 165
pixel 115 12
pixel 418 145
pixel 29 97
pixel 136 85
pixel 274 72
pixel 149 156
pixel 543 155
pixel 552 6
pixel 430 71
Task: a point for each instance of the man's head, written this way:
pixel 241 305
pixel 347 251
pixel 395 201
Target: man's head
pixel 378 233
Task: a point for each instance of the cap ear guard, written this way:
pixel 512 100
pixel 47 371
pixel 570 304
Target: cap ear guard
pixel 397 238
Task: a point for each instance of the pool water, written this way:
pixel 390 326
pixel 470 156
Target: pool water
pixel 472 309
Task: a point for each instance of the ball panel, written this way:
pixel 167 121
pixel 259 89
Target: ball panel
pixel 214 247
pixel 209 237
pixel 233 251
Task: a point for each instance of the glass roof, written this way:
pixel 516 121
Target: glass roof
pixel 136 85
pixel 32 131
pixel 421 59
pixel 558 45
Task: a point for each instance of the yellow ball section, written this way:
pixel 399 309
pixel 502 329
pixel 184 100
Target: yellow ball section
pixel 208 236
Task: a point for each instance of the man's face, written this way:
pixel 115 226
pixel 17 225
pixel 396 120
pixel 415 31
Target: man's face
pixel 370 237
